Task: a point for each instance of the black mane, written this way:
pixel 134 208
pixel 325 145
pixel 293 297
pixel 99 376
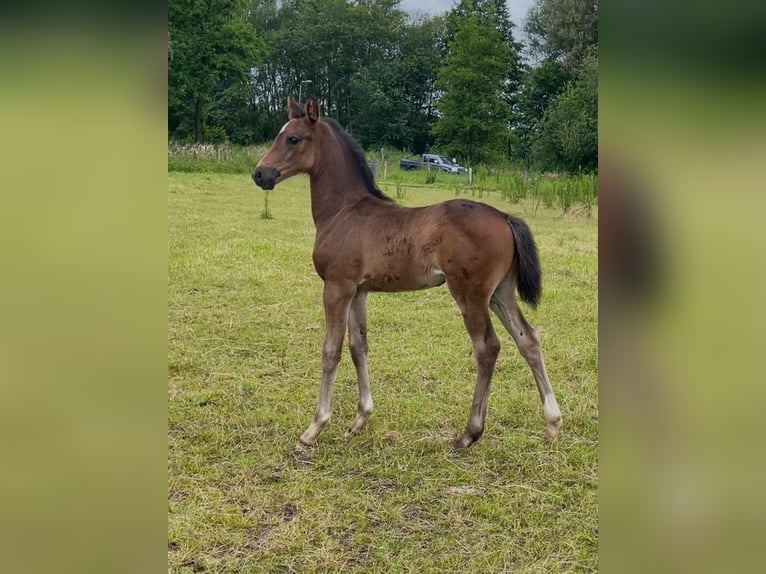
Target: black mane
pixel 359 160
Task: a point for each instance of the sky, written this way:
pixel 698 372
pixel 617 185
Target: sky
pixel 516 8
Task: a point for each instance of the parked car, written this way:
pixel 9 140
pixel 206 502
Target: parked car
pixel 434 161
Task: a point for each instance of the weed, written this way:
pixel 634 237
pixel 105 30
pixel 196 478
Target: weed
pixel 401 192
pixel 266 213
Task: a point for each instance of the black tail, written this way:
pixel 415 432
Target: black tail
pixel 529 283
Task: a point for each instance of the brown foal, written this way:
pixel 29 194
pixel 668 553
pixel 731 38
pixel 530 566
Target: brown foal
pixel 365 242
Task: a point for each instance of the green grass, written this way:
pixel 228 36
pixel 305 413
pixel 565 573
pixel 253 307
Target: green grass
pixel 245 333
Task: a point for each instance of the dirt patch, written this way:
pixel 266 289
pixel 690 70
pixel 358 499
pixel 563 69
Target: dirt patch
pixel 289 511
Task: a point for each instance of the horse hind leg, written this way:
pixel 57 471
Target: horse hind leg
pixel 486 348
pixel 503 304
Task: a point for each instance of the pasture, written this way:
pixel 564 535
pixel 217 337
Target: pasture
pixel 244 343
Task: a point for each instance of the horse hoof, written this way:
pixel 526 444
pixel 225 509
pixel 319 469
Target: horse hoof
pixel 302 449
pixel 461 444
pixel 356 425
pixel 551 432
pixel 302 455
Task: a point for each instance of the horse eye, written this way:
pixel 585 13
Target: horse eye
pixel 293 140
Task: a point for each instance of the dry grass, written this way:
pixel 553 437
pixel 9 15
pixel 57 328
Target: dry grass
pixel 213 158
pixel 245 331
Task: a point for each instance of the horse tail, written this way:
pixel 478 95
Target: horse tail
pixel 529 282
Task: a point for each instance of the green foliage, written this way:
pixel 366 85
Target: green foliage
pixel 477 106
pixel 540 85
pixel 406 85
pixel 211 50
pixel 455 84
pixel 371 68
pixel 556 124
pixel 492 14
pixel 474 119
pixel 563 30
pixel 530 189
pixel 568 137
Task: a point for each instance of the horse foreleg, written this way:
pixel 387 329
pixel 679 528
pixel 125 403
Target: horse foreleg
pixel 357 345
pixel 337 299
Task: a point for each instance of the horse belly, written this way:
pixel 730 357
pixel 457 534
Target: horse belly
pixel 403 279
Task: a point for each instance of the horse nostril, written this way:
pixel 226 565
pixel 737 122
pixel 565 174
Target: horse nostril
pixel 257 176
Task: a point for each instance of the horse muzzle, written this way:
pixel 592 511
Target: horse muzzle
pixel 266 177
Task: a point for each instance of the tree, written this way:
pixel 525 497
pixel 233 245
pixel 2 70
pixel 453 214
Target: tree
pixel 568 137
pixel 212 50
pixel 393 98
pixel 539 87
pixel 563 30
pixel 474 116
pixel 514 70
pixel 557 105
pixel 417 70
pixel 322 41
pixel 492 14
pixel 371 68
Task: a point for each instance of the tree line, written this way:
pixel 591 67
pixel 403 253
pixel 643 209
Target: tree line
pixel 461 83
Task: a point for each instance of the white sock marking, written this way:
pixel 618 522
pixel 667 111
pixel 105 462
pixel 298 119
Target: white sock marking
pixel 551 410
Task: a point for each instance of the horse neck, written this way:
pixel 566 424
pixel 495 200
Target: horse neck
pixel 335 181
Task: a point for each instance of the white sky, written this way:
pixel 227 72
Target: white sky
pixel 516 8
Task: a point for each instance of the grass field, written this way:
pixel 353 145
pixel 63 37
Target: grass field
pixel 245 332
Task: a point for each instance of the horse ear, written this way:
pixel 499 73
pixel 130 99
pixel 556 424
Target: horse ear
pixel 294 109
pixel 312 109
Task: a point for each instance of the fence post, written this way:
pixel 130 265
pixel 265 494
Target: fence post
pixel 385 169
pixel 470 176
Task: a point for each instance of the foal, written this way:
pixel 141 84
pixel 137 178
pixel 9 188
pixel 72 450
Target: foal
pixel 365 242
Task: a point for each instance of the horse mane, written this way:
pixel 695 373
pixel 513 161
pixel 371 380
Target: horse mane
pixel 360 162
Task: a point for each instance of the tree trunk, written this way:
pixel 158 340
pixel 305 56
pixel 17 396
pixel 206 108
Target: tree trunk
pixel 198 121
